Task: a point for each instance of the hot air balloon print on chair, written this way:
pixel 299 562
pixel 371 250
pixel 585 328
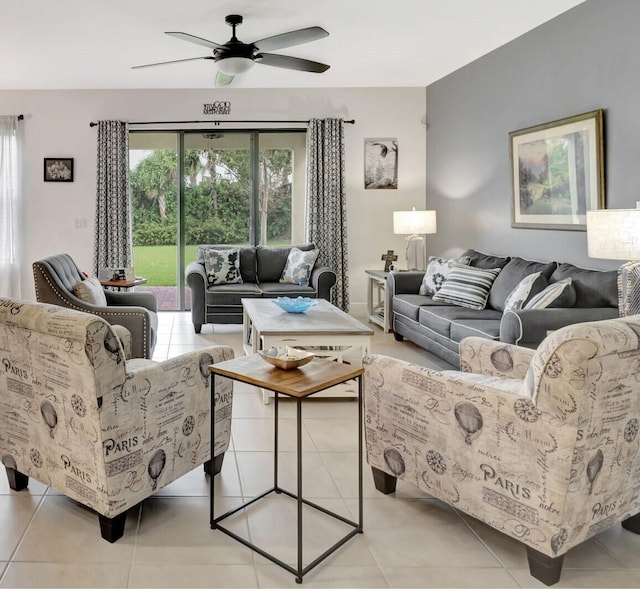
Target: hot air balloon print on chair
pixel 104 431
pixel 500 440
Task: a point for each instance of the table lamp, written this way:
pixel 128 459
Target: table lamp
pixel 615 234
pixel 414 223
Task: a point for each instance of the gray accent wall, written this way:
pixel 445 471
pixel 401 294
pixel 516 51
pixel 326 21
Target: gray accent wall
pixel 585 59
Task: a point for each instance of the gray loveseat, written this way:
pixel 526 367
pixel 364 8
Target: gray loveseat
pixel 439 327
pixel 260 268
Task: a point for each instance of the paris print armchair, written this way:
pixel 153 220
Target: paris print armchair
pixel 540 444
pixel 105 431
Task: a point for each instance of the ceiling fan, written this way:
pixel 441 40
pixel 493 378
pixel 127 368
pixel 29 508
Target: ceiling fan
pixel 235 57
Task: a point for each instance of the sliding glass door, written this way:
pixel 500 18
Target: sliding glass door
pixel 210 187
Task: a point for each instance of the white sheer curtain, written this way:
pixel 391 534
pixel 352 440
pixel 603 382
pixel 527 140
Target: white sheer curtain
pixel 10 205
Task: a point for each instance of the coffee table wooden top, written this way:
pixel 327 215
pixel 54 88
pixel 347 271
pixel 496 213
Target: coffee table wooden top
pixel 311 378
pixel 322 318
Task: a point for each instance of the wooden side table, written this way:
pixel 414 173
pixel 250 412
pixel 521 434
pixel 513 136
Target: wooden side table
pixel 377 301
pixel 299 383
pixel 123 284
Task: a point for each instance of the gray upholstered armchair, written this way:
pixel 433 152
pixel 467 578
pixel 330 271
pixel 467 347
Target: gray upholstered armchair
pixel 55 278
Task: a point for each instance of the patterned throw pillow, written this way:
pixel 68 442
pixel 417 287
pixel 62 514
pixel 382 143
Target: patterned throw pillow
pixel 437 271
pixel 297 270
pixel 467 286
pixel 527 288
pixel 91 291
pixel 222 266
pixel 559 294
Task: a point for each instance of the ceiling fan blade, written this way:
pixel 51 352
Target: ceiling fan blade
pixel 193 39
pixel 223 79
pixel 291 63
pixel 173 61
pixel 291 38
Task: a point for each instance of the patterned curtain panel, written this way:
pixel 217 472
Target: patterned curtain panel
pixel 112 241
pixel 10 205
pixel 326 214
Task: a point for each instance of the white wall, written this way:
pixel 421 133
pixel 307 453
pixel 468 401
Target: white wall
pixel 57 125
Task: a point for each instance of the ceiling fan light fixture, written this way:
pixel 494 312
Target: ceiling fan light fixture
pixel 234 65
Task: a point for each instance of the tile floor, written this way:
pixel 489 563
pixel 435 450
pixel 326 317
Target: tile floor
pixel 410 540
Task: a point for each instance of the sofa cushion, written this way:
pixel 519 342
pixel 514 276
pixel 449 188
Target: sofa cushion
pixel 594 288
pixel 481 260
pixel 467 286
pixel 485 328
pixel 271 261
pixel 437 271
pixel 222 267
pixel 247 259
pixel 516 269
pixel 231 294
pixel 528 287
pixel 91 291
pixel 409 305
pixel 441 319
pixel 299 265
pixel 286 290
pixel 558 294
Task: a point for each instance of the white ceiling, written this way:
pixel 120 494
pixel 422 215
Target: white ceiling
pixel 90 44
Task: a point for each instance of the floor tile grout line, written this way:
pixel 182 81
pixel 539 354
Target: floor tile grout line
pixel 23 535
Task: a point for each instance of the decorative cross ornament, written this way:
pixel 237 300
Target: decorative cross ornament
pixel 388 258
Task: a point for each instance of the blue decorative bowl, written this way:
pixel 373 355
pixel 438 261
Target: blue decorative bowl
pixel 297 305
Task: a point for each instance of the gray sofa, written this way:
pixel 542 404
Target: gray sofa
pixel 439 327
pixel 261 268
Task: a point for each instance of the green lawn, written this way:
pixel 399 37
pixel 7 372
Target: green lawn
pixel 158 264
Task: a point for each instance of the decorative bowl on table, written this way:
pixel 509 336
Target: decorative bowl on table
pixel 286 357
pixel 297 305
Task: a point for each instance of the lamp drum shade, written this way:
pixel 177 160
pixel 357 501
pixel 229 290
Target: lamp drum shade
pixel 614 234
pixel 414 222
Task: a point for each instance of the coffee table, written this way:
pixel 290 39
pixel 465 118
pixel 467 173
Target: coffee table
pixel 298 384
pixel 328 331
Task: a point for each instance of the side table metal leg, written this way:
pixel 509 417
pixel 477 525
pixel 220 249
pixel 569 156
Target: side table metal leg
pixel 275 444
pixel 213 438
pixel 299 458
pixel 360 487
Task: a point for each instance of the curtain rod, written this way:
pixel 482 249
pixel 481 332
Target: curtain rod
pixel 215 122
pixel 20 117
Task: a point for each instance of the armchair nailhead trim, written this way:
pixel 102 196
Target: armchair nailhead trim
pixel 72 305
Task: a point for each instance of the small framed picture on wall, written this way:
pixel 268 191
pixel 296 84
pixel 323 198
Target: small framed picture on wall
pixel 58 169
pixel 381 163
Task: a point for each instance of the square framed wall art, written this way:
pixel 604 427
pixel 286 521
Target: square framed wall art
pixel 558 172
pixel 58 169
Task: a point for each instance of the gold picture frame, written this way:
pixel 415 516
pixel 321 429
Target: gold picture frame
pixel 558 172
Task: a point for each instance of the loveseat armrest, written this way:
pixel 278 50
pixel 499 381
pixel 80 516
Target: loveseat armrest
pixel 488 357
pixel 404 282
pixel 140 299
pixel 197 282
pixel 322 280
pixel 529 327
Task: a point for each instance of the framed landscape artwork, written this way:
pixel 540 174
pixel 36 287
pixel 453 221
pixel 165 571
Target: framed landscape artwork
pixel 58 169
pixel 381 163
pixel 558 172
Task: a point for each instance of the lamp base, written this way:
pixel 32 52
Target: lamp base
pixel 415 252
pixel 629 289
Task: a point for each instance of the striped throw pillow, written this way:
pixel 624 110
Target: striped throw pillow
pixel 559 294
pixel 467 286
